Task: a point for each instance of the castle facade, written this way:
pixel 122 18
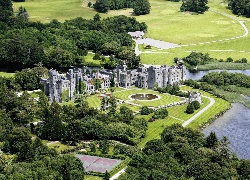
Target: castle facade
pixel 70 84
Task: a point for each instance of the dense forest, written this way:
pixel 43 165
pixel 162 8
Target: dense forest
pixel 55 44
pixel 183 153
pixel 140 7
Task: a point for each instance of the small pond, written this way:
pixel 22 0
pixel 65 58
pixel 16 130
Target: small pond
pixel 235 125
pixel 144 96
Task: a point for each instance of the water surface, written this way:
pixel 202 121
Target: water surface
pixel 199 74
pixel 235 125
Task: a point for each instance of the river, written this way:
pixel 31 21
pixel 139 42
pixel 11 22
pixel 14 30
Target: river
pixel 235 125
pixel 198 75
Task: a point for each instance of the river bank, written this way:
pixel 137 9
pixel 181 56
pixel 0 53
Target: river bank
pixel 234 124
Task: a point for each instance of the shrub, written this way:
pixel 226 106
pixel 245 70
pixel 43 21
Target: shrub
pixel 146 111
pixel 190 109
pixel 196 105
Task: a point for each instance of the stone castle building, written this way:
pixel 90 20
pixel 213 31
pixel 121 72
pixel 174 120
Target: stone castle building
pixel 59 85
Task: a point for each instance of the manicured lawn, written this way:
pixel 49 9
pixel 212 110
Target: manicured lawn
pixel 46 10
pixel 89 59
pixel 158 58
pixel 94 100
pixel 179 111
pixel 164 98
pixel 133 108
pixel 166 22
pixel 177 115
pixel 5 74
pixel 90 177
pixel 219 106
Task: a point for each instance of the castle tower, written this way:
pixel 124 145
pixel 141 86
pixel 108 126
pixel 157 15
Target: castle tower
pixel 165 77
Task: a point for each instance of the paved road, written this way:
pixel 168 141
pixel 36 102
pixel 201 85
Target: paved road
pixel 212 101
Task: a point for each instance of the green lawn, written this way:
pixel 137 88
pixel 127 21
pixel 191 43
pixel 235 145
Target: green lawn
pixel 177 115
pixel 179 111
pixel 155 129
pixel 94 100
pixel 219 106
pixel 90 177
pixel 164 98
pixel 89 59
pixel 58 146
pixel 165 22
pixel 46 10
pixel 5 74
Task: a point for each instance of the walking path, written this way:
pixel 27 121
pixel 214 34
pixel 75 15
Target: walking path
pixel 212 101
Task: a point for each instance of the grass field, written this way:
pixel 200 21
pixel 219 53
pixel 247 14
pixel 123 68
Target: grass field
pixel 46 10
pixel 177 115
pixel 90 177
pixel 58 146
pixel 219 106
pixel 155 129
pixel 165 22
pixel 5 74
pixel 164 98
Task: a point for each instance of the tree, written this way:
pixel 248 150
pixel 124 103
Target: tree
pixel 53 128
pixel 102 6
pixel 160 113
pixel 126 114
pixel 104 146
pixel 106 175
pixel 198 6
pixel 212 140
pixel 145 110
pixel 104 103
pixel 190 109
pixel 19 142
pixel 141 7
pixel 97 83
pixel 22 13
pixel 196 104
pixel 89 4
pixel 6 11
pixel 113 104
